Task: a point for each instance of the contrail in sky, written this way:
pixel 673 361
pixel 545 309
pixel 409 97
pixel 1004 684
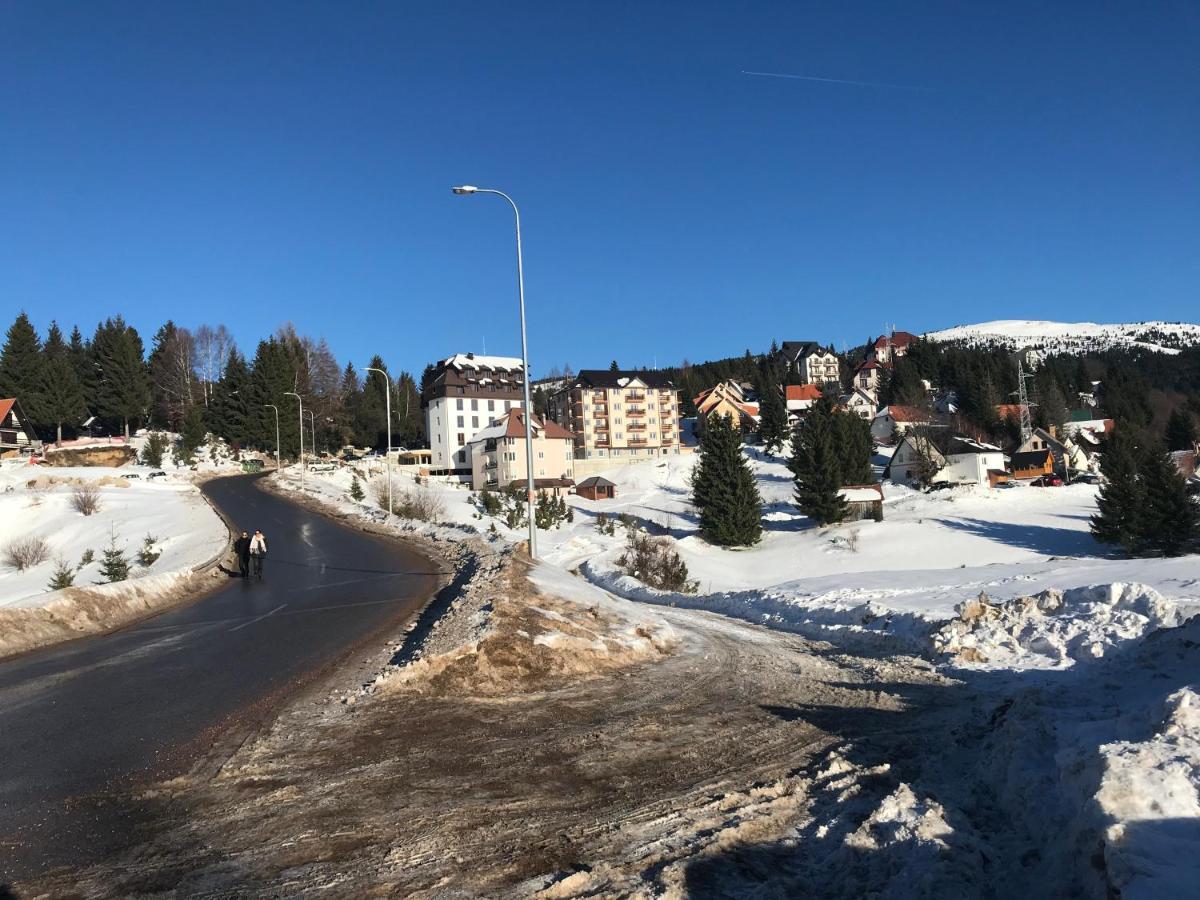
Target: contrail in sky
pixel 878 84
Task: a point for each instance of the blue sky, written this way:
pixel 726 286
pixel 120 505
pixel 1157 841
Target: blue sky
pixel 255 163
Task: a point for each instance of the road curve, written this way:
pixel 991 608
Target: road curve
pixel 84 721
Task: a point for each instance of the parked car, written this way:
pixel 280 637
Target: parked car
pixel 1047 481
pixel 132 476
pixel 158 474
pixel 1006 485
pixel 1086 478
pixel 322 467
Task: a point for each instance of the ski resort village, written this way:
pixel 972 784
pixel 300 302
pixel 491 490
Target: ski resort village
pixel 655 451
pixel 909 619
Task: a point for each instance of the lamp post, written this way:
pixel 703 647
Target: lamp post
pixel 276 408
pixel 301 401
pixel 471 189
pixel 388 404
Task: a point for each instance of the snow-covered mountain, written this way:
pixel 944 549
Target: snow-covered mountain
pixel 1071 337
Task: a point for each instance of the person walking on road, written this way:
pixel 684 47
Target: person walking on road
pixel 258 551
pixel 241 549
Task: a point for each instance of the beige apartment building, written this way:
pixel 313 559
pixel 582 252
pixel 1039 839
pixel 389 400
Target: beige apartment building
pixel 498 453
pixel 619 415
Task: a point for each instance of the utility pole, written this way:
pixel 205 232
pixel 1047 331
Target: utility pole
pixel 388 406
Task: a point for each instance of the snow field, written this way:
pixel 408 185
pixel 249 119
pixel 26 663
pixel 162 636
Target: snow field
pixel 36 501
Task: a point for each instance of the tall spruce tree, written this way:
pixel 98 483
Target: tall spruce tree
pixel 122 382
pixel 854 446
pixel 229 408
pixel 272 375
pixel 21 366
pixel 1119 499
pixel 1181 430
pixel 60 392
pixel 772 408
pixel 1167 517
pixel 816 467
pixel 724 489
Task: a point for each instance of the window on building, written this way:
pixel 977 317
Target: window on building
pixel 491 406
pixel 474 404
pixel 474 421
pixel 462 438
pixel 459 403
pixel 462 456
pixel 461 423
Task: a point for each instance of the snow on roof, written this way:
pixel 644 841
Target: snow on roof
pixel 861 493
pixel 475 361
pixel 512 424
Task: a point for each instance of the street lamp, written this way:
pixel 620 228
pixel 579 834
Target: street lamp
pixel 471 189
pixel 388 402
pixel 276 408
pixel 301 400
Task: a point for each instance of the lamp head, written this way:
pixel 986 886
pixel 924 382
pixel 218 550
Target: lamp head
pixel 465 189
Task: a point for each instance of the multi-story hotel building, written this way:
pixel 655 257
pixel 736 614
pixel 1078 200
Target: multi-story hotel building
pixel 619 414
pixel 465 394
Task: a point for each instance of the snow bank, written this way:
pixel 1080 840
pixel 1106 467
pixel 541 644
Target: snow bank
pixel 1150 792
pixel 1054 628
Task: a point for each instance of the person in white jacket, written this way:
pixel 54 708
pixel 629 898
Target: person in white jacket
pixel 258 551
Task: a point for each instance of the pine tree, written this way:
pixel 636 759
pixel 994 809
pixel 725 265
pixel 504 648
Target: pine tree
pixel 193 433
pixel 614 367
pixel 854 447
pixel 228 413
pixel 356 489
pixel 1167 517
pixel 115 565
pixel 21 365
pixel 772 407
pixel 724 489
pixel 63 577
pixel 816 466
pixel 61 393
pixel 1181 430
pixel 1120 496
pixel 122 383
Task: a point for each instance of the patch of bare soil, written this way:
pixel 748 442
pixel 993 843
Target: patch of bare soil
pixel 561 754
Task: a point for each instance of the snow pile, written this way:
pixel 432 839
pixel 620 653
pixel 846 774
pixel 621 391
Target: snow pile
pixel 1053 628
pixel 1072 337
pixel 1150 792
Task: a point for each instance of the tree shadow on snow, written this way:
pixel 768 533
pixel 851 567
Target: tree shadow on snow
pixel 1038 538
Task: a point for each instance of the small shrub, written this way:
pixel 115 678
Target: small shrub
pixel 89 557
pixel 489 502
pixel 152 453
pixel 27 552
pixel 356 490
pixel 550 512
pixel 605 525
pixel 628 522
pixel 85 499
pixel 63 577
pixel 422 505
pixel 149 554
pixel 852 540
pixel 655 562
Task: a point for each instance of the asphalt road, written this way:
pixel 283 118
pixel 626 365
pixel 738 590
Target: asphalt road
pixel 82 723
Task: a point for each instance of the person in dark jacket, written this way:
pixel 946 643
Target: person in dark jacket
pixel 241 547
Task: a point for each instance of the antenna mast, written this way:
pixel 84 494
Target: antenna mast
pixel 1023 402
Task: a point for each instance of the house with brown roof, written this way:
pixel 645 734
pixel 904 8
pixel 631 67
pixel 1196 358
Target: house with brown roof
pixel 726 399
pixel 869 376
pixel 1031 463
pixel 896 419
pixel 889 347
pixel 498 458
pixel 14 438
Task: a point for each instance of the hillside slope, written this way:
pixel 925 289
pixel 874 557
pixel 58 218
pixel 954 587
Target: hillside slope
pixel 1071 337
